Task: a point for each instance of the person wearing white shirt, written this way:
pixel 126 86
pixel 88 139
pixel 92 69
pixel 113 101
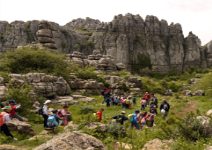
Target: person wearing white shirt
pixel 46 112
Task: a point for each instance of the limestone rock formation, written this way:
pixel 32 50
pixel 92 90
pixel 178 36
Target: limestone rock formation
pixel 62 100
pixel 199 93
pixel 22 127
pixel 72 141
pixel 157 144
pixel 99 127
pixel 142 45
pixel 8 147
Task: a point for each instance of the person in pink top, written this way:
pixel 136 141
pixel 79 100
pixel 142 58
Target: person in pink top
pixel 64 113
pixel 123 102
pixel 143 119
pixel 143 103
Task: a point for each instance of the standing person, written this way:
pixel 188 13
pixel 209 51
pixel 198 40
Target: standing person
pixel 151 118
pixel 143 119
pixel 123 103
pixel 127 103
pixel 4 118
pixel 134 100
pixel 104 91
pixel 152 107
pixel 99 113
pixel 12 104
pixel 155 101
pixel 120 118
pixel 164 108
pixel 147 96
pixel 135 122
pixel 116 100
pixel 143 103
pixel 107 98
pixel 46 112
pixel 64 113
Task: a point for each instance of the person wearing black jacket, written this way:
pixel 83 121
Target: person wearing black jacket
pixel 164 109
pixel 120 118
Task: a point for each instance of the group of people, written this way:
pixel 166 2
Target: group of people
pixel 8 114
pixel 52 120
pixel 138 119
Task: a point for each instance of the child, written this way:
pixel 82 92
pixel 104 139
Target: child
pixel 143 119
pixel 4 118
pixel 99 113
pixel 64 113
pixel 143 103
pixel 123 102
pixel 151 118
pixel 152 107
pixel 53 120
pixel 12 104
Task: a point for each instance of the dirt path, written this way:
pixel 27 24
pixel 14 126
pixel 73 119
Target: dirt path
pixel 192 107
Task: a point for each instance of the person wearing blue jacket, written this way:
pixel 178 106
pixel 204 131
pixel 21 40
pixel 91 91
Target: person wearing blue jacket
pixel 135 122
pixel 120 118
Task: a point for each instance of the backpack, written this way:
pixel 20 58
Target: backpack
pixel 60 113
pixel 119 119
pixel 1 118
pixel 127 101
pixel 150 118
pixel 40 111
pixel 122 101
pixel 155 100
pixel 143 120
pixel 152 108
pixel 130 117
pixel 51 122
pixel 165 107
pixel 102 92
pixel 144 102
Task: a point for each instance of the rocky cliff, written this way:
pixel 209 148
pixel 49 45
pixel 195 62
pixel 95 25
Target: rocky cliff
pixel 142 45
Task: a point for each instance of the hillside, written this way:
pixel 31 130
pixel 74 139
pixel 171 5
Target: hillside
pixel 141 45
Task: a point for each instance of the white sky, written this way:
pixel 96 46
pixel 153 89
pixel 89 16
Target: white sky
pixel 193 15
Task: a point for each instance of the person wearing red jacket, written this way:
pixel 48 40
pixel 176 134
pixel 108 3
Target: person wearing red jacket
pixel 147 97
pixel 12 104
pixel 99 113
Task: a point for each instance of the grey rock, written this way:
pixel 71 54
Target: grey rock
pixel 199 93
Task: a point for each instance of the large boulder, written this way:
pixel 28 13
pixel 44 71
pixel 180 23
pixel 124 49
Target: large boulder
pixel 21 127
pixel 99 127
pixel 62 100
pixel 157 144
pixel 188 93
pixel 199 93
pixel 209 112
pixel 1 81
pixel 8 147
pixel 72 141
pixel 204 120
pixel 168 92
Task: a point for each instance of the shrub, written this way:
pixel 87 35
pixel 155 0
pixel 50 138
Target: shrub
pixel 76 46
pixel 116 129
pixel 209 92
pixel 90 33
pixel 5 75
pixel 85 110
pixel 82 28
pixel 63 44
pixel 90 43
pixel 204 83
pixel 1 36
pixel 27 26
pixel 34 60
pixel 173 86
pixel 65 32
pixel 125 87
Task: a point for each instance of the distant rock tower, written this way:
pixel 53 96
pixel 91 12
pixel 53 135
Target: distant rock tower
pixel 45 35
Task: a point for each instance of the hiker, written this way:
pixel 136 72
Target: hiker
pixel 147 97
pixel 116 100
pixel 150 118
pixel 164 109
pixel 143 119
pixel 103 93
pixel 113 99
pixel 130 104
pixel 134 100
pixel 4 118
pixel 143 103
pixel 99 113
pixel 123 103
pixel 107 98
pixel 155 101
pixel 152 107
pixel 120 118
pixel 12 104
pixel 53 120
pixel 64 114
pixel 134 120
pixel 46 112
pixel 127 103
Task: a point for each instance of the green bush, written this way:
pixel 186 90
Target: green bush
pixel 82 28
pixel 85 110
pixel 63 44
pixel 90 33
pixel 205 83
pixel 125 87
pixel 34 60
pixel 5 75
pixel 173 86
pixel 65 32
pixel 76 46
pixel 151 86
pixel 90 43
pixel 209 92
pixel 115 129
pixel 124 74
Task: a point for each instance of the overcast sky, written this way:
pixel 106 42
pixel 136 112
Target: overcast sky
pixel 193 15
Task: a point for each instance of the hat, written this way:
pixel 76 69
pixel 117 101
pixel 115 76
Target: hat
pixel 7 107
pixel 137 111
pixel 123 112
pixel 12 101
pixel 47 101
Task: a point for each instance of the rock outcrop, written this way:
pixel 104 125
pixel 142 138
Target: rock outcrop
pixel 141 45
pixel 22 127
pixel 73 140
pixel 157 144
pixel 8 147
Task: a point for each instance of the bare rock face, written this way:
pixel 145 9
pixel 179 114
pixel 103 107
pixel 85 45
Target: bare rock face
pixel 8 147
pixel 45 34
pixel 73 140
pixel 44 85
pixel 22 127
pixel 134 82
pixel 62 100
pixel 99 127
